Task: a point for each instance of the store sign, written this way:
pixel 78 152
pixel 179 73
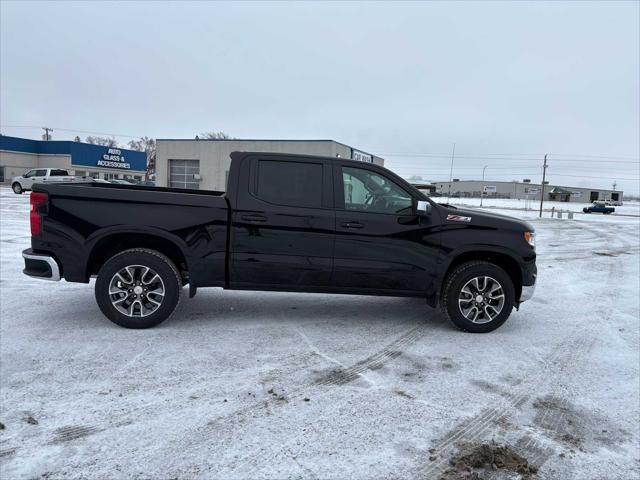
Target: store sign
pixel 490 189
pixel 361 156
pixel 576 194
pixel 531 191
pixel 113 159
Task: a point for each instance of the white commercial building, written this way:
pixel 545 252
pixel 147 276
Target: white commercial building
pixel 524 191
pixel 18 155
pixel 204 164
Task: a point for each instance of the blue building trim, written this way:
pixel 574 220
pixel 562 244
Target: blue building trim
pixel 82 154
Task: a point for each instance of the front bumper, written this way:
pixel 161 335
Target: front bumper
pixel 527 292
pixel 40 265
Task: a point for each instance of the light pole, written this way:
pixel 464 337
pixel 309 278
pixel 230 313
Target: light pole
pixel 544 175
pixel 453 154
pixel 482 192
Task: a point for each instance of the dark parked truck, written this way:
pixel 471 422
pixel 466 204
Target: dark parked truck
pixel 288 223
pixel 599 207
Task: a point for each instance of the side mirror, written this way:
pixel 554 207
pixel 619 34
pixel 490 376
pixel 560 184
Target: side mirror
pixel 423 207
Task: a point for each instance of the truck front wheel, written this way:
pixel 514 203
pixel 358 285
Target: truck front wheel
pixel 478 296
pixel 138 288
pixel 17 188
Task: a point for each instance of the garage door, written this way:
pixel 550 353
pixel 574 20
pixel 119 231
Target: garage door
pixel 181 173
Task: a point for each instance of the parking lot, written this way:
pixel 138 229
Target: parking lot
pixel 281 385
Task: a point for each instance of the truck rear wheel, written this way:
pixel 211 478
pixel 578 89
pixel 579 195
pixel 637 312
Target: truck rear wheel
pixel 478 296
pixel 138 288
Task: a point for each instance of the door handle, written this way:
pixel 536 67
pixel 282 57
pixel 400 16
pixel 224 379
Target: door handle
pixel 256 218
pixel 352 225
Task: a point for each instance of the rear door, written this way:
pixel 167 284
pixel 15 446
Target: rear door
pixel 58 175
pixel 381 243
pixel 283 224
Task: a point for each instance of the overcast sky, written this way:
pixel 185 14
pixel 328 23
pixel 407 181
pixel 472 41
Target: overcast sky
pixel 507 82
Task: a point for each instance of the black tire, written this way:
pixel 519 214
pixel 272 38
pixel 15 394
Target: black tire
pixel 454 284
pixel 17 188
pixel 146 258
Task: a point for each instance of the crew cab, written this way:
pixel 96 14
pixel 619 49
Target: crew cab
pixel 599 207
pixel 287 223
pixel 39 175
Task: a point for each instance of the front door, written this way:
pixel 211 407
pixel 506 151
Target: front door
pixel 284 224
pixel 381 243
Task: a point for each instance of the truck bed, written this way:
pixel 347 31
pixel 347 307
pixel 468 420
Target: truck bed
pixel 83 218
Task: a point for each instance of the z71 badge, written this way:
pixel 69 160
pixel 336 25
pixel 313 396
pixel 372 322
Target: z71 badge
pixel 458 218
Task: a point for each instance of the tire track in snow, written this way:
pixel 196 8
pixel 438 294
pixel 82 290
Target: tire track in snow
pixel 385 355
pixel 480 424
pixel 566 356
pixel 555 415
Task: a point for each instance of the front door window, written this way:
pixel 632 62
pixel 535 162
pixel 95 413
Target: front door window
pixel 367 191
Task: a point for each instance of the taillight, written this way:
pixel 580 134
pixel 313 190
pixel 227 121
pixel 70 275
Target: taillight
pixel 38 201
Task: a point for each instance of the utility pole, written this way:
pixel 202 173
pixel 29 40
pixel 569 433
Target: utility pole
pixel 46 132
pixel 482 192
pixel 544 176
pixel 453 154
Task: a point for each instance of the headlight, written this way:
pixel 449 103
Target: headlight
pixel 530 237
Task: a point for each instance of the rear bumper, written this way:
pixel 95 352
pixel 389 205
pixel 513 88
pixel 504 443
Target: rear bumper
pixel 40 265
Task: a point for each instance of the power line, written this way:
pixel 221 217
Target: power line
pixel 576 156
pixel 514 159
pixel 74 131
pixel 528 173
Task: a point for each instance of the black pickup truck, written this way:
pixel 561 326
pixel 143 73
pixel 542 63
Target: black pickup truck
pixel 288 223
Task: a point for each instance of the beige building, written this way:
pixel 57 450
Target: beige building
pixel 204 164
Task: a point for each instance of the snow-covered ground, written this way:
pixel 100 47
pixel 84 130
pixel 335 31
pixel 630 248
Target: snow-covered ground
pixel 630 207
pixel 278 385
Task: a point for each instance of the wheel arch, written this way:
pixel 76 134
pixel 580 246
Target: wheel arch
pixel 108 243
pixel 502 258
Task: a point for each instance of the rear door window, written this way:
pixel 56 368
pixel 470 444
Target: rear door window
pixel 56 172
pixel 295 184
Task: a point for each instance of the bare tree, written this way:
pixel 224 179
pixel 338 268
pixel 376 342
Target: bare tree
pixel 213 135
pixel 104 141
pixel 147 145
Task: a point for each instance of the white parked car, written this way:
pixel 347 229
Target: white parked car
pixel 40 175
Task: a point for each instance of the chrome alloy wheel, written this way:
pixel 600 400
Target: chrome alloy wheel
pixel 136 291
pixel 481 299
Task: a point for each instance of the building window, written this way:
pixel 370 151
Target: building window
pixel 137 178
pixel 80 173
pixel 1 174
pixel 182 173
